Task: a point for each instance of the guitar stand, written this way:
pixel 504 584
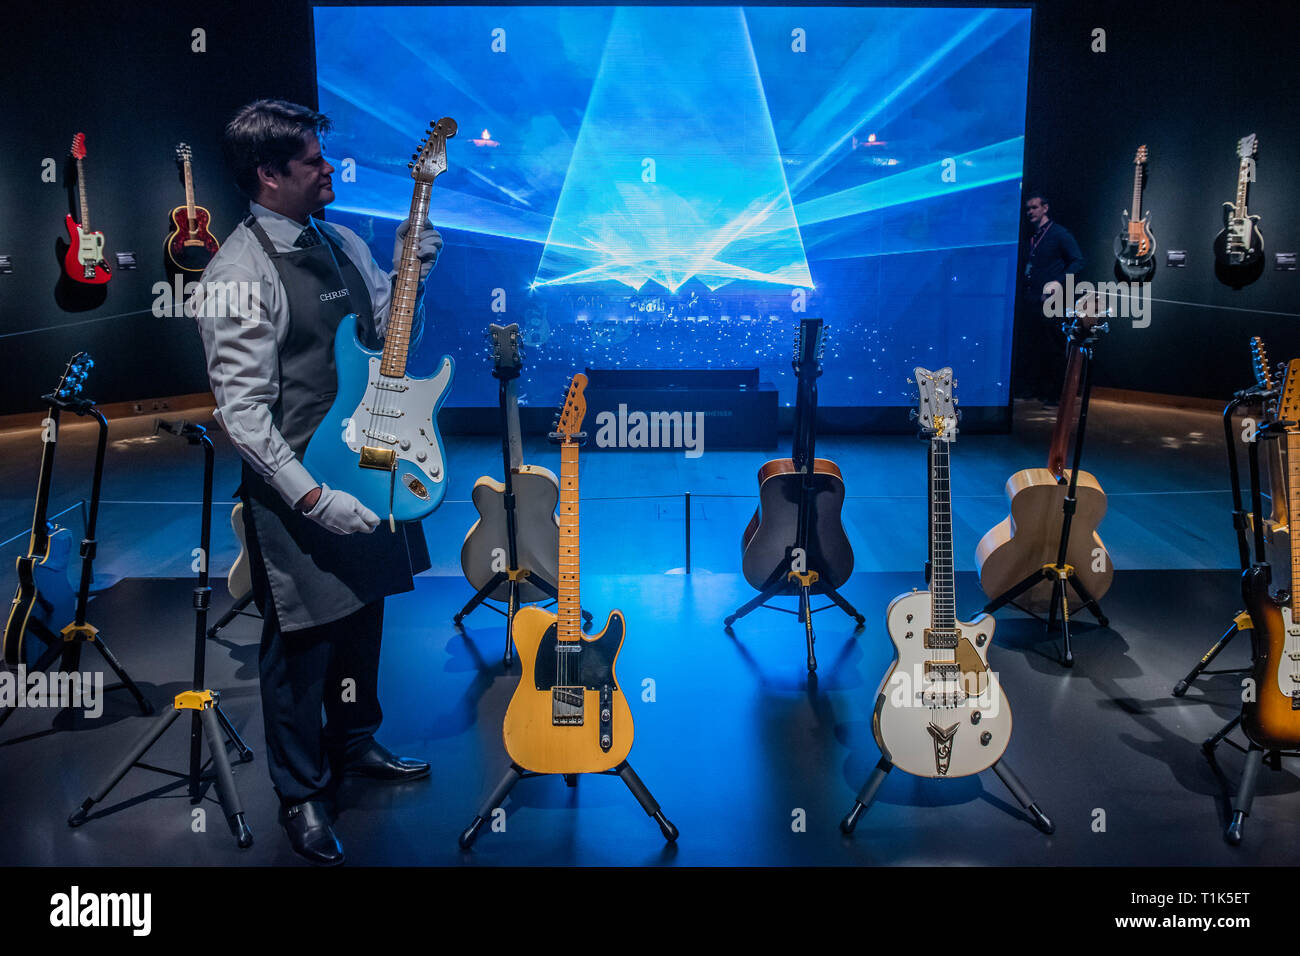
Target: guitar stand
pixel 867 796
pixel 1255 757
pixel 69 641
pixel 806 582
pixel 1241 520
pixel 514 574
pixel 236 609
pixel 517 773
pixel 206 717
pixel 1062 575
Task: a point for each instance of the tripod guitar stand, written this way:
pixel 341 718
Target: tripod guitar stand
pixel 68 642
pixel 1269 718
pixel 1083 334
pixel 493 557
pixel 1263 393
pixel 795 543
pixel 204 705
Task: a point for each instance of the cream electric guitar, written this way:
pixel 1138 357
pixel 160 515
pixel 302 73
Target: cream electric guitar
pixel 940 711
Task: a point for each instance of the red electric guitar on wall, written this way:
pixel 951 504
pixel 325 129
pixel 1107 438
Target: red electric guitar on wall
pixel 84 261
pixel 190 247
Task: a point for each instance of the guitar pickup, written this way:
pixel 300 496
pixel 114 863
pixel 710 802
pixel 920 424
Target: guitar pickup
pixel 942 670
pixel 566 706
pixel 941 639
pixel 606 718
pixel 380 459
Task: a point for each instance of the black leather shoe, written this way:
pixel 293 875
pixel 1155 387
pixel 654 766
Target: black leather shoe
pixel 378 763
pixel 309 830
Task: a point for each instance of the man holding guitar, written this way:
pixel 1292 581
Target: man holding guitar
pixel 1052 254
pixel 320 568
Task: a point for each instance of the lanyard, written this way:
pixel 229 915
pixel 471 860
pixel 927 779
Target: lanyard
pixel 1035 240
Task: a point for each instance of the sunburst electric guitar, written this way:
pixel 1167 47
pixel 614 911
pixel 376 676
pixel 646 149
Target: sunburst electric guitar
pixel 1135 247
pixel 191 245
pixel 379 441
pixel 568 714
pixel 940 711
pixel 1272 719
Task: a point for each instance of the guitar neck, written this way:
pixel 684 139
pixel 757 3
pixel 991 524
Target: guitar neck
pixel 568 605
pixel 40 534
pixel 1243 181
pixel 189 194
pixel 81 192
pixel 1293 502
pixel 1137 193
pixel 943 592
pixel 397 339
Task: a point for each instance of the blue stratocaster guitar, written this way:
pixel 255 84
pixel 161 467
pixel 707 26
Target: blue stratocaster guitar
pixel 380 441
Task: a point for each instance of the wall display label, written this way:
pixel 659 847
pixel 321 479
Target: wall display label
pixel 1175 258
pixel 126 260
pixel 6 266
pixel 1284 261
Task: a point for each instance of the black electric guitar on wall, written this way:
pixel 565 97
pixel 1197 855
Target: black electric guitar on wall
pixel 44 594
pixel 1239 247
pixel 1135 247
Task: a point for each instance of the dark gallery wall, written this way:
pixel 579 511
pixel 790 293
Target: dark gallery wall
pixel 1187 80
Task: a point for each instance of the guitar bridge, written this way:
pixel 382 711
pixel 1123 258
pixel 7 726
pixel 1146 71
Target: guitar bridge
pixel 380 459
pixel 566 706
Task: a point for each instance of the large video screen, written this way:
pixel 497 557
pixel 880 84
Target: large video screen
pixel 675 187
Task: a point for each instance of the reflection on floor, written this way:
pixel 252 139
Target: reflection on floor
pixel 730 737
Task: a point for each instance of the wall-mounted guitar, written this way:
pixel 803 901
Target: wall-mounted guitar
pixel 84 260
pixel 1239 246
pixel 190 247
pixel 1135 247
pixel 44 595
pixel 795 542
pixel 379 441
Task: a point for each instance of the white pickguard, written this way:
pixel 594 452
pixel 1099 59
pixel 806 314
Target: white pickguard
pixel 1288 670
pixel 397 413
pixel 90 247
pixel 934 727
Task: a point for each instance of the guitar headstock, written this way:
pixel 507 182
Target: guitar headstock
pixel 74 376
pixel 810 345
pixel 506 341
pixel 1247 146
pixel 78 149
pixel 430 160
pixel 568 427
pixel 1259 361
pixel 1141 157
pixel 1288 406
pixel 183 154
pixel 937 406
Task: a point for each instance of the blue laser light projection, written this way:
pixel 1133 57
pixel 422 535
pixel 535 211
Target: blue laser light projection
pixel 652 187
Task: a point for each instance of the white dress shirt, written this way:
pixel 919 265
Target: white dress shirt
pixel 242 343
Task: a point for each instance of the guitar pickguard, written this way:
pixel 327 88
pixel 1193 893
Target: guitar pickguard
pixel 591 666
pixel 396 414
pixel 1288 670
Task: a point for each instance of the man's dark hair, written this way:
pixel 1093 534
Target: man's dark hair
pixel 267 133
pixel 1035 194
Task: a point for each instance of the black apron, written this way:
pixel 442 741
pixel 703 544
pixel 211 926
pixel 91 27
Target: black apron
pixel 314 575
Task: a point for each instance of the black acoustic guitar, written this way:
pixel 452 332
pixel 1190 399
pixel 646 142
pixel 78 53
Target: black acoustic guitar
pixel 44 594
pixel 800 497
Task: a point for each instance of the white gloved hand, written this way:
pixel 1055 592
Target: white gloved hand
pixel 342 513
pixel 430 246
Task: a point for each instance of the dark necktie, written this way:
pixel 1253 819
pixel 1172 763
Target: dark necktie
pixel 307 238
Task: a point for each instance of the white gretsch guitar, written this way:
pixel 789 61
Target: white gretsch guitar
pixel 940 711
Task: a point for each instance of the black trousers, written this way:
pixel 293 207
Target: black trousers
pixel 334 667
pixel 1038 357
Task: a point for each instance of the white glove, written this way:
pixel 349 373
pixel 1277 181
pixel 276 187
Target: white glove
pixel 430 246
pixel 341 513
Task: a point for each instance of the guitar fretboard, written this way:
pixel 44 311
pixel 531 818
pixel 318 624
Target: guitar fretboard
pixel 1293 501
pixel 81 192
pixel 1243 181
pixel 189 198
pixel 397 338
pixel 568 607
pixel 1137 193
pixel 943 595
